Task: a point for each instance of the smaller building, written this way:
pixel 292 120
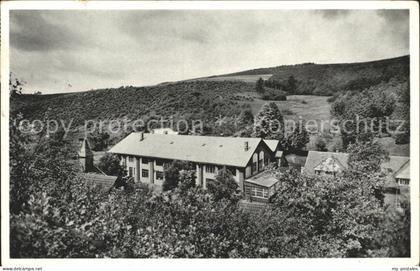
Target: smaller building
pixel 399 168
pixel 334 163
pixel 325 163
pixel 261 187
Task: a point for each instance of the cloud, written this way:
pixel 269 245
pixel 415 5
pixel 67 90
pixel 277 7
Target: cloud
pixel 109 48
pixel 395 25
pixel 333 13
pixel 30 31
pixel 394 15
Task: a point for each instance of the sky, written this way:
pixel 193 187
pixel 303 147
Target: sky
pixel 78 50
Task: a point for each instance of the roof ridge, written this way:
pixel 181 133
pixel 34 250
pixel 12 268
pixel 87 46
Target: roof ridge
pixel 400 168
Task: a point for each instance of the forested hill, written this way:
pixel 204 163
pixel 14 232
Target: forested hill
pixel 327 79
pixel 200 100
pixel 207 98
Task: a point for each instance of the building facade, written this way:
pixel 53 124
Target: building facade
pixel 144 157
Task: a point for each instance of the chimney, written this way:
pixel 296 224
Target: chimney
pixel 141 136
pixel 246 146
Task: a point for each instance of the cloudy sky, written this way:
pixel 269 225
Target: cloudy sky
pixel 67 51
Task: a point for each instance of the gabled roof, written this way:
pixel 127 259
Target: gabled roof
pixel 279 154
pixel 395 163
pixel 317 158
pixel 403 172
pixel 228 151
pixel 398 165
pixel 331 164
pixel 99 179
pixel 85 150
pixel 266 179
pixel 272 144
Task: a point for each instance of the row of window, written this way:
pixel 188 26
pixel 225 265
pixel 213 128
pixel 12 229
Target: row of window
pixel 403 181
pixel 259 192
pixel 144 173
pixel 208 168
pixel 159 162
pixel 212 169
pixel 319 172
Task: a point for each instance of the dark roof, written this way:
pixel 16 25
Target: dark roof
pixel 105 181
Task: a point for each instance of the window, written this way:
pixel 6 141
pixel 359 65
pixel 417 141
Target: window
pixel 144 160
pixel 254 167
pixel 404 181
pixel 130 171
pixel 266 161
pixel 130 158
pixel 210 168
pixel 261 161
pixel 259 192
pixel 145 173
pixel 159 175
pixel 159 162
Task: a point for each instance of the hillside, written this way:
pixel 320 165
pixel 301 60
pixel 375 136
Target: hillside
pixel 327 79
pixel 208 98
pixel 201 100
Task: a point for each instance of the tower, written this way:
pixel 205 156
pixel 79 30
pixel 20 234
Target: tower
pixel 85 155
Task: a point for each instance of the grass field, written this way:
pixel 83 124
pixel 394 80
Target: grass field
pixel 243 78
pixel 394 149
pixel 308 107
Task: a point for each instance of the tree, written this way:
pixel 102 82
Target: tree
pixel 340 217
pixel 259 86
pixel 172 174
pixel 297 140
pixel 186 179
pixel 366 156
pixel 364 115
pixel 402 114
pixel 99 140
pixel 224 187
pixel 15 86
pixel 291 84
pixel 110 164
pixel 269 123
pixel 246 117
pixel 320 144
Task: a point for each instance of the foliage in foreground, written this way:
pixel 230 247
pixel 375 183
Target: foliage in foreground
pixel 54 213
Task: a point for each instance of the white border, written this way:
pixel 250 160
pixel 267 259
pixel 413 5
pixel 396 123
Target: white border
pixel 211 264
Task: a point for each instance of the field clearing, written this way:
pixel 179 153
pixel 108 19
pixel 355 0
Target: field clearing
pixel 394 149
pixel 243 78
pixel 307 107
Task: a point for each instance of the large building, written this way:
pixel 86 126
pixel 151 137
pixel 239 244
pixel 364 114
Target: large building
pixel 144 155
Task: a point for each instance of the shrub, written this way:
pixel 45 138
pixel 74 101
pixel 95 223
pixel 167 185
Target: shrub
pixel 110 164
